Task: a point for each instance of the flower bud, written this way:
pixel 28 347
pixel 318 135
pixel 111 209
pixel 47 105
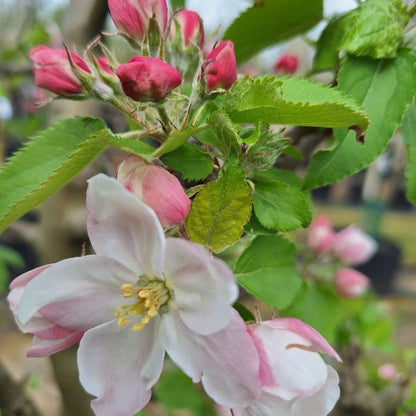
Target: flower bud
pixel 132 17
pixel 190 25
pixel 147 79
pixel 350 283
pixel 220 68
pixel 353 246
pixel 287 64
pixel 157 188
pixel 321 236
pixel 387 371
pixel 104 64
pixel 53 71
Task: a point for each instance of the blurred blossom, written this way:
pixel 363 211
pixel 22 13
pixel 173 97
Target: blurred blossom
pixel 350 283
pixel 387 371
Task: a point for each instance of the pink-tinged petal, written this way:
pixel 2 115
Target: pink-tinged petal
pixel 123 227
pixel 44 347
pixel 77 293
pixel 267 405
pixel 321 403
pixel 204 286
pixel 321 235
pixel 350 283
pixel 119 366
pixel 226 362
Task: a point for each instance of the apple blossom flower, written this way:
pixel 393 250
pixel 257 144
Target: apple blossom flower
pixel 387 371
pixel 321 235
pixel 157 188
pixel 350 283
pixel 53 71
pixel 48 337
pixel 353 246
pixel 220 68
pixel 140 296
pixel 287 64
pixel 190 26
pixel 295 379
pixel 132 17
pixel 148 79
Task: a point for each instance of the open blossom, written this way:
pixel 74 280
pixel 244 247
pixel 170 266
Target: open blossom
pixel 353 246
pixel 132 17
pixel 190 26
pixel 148 79
pixel 157 188
pixel 321 235
pixel 53 70
pixel 48 337
pixel 140 296
pixel 351 283
pixel 295 379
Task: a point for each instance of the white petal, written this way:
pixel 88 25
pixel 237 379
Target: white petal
pixel 226 362
pixel 77 293
pixel 204 286
pixel 123 227
pixel 119 366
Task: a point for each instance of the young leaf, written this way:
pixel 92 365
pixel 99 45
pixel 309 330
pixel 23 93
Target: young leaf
pixel 176 139
pixel 46 163
pixel 292 101
pixel 385 88
pixel 221 209
pixel 134 147
pixel 190 160
pixel 266 269
pixel 409 138
pixel 269 21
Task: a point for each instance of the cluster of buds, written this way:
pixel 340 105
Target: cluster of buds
pixel 348 247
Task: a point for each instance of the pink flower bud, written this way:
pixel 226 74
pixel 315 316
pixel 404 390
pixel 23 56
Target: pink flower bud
pixel 350 283
pixel 191 27
pixel 387 372
pixel 220 68
pixel 157 188
pixel 353 246
pixel 321 236
pixel 148 79
pixel 103 62
pixel 287 64
pixel 53 70
pixel 132 17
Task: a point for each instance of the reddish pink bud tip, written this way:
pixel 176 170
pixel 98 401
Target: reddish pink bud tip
pixel 191 27
pixel 287 64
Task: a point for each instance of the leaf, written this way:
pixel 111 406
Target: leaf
pixel 279 204
pixel 375 28
pixel 266 269
pixel 385 88
pixel 292 101
pixel 190 160
pixel 46 163
pixel 134 147
pixel 221 209
pixel 269 22
pixel 11 257
pixel 409 138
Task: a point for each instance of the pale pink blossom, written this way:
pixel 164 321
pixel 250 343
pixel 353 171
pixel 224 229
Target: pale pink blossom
pixel 48 337
pixel 140 296
pixel 321 235
pixel 157 188
pixel 387 371
pixel 350 283
pixel 190 26
pixel 296 381
pixel 353 246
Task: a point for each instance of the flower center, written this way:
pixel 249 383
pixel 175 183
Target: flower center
pixel 152 298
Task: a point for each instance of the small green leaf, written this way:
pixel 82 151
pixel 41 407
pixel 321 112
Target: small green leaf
pixel 134 147
pixel 266 269
pixel 46 163
pixel 244 312
pixel 293 101
pixel 11 257
pixel 385 88
pixel 409 138
pixel 190 160
pixel 221 209
pixel 269 21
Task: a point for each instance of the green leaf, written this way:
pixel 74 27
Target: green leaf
pixel 375 28
pixel 11 257
pixel 292 101
pixel 221 209
pixel 244 312
pixel 134 147
pixel 279 204
pixel 409 138
pixel 46 163
pixel 266 269
pixel 385 88
pixel 177 4
pixel 176 139
pixel 319 307
pixel 190 160
pixel 269 22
